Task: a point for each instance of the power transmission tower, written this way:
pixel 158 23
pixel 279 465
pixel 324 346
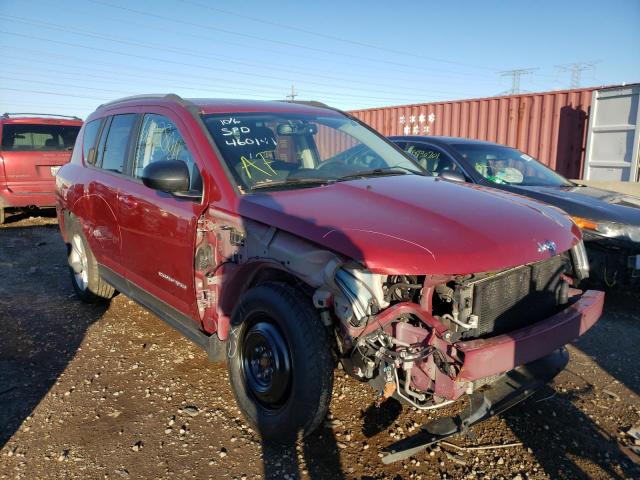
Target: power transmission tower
pixel 515 78
pixel 292 96
pixel 576 70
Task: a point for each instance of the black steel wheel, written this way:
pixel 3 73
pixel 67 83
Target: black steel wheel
pixel 266 364
pixel 280 362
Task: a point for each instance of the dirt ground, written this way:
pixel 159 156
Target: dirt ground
pixel 113 392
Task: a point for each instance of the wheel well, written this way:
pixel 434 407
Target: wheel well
pixel 269 274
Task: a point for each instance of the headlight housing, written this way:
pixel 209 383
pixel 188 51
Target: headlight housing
pixel 580 261
pixel 609 229
pixel 362 295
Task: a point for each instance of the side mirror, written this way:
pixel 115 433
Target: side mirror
pixel 169 176
pixel 452 176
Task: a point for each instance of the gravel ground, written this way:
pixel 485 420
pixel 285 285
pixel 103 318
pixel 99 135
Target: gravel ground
pixel 112 392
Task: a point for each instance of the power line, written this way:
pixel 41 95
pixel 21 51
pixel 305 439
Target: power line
pixel 188 53
pixel 155 47
pixel 333 37
pixel 161 60
pixel 119 80
pixel 55 84
pixel 89 65
pixel 413 69
pixel 157 74
pixel 515 78
pixel 576 70
pixel 58 94
pixel 333 53
pixel 259 93
pixel 45 105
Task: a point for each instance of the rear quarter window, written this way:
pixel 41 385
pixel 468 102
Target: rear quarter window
pixel 89 138
pixel 25 137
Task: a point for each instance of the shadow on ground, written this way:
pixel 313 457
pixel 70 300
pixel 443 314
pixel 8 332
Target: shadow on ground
pixel 558 434
pixel 20 215
pixel 319 450
pixel 619 328
pixel 38 340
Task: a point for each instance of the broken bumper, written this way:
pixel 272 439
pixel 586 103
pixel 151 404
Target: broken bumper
pixel 512 388
pixel 496 355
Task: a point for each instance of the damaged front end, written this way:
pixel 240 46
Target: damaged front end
pixel 430 340
pixel 425 340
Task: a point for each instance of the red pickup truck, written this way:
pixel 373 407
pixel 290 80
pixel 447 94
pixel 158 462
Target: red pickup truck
pixel 34 146
pixel 283 237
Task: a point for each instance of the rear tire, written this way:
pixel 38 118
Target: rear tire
pixel 83 267
pixel 280 362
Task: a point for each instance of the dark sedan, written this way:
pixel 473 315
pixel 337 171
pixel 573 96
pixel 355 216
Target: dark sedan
pixel 610 221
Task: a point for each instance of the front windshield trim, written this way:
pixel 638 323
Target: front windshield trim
pixel 290 182
pixel 380 172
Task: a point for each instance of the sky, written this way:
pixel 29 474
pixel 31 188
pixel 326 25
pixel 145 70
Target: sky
pixel 69 56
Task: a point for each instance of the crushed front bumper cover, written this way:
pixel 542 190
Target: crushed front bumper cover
pixel 530 356
pixel 514 387
pixel 493 356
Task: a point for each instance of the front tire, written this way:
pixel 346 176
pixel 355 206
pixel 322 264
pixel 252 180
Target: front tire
pixel 83 267
pixel 280 362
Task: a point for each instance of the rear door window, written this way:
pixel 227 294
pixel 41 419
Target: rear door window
pixel 22 137
pixel 116 147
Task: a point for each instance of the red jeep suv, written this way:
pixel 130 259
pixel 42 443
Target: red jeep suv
pixel 283 237
pixel 34 146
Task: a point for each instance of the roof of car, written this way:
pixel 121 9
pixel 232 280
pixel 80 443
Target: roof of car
pixel 220 105
pixel 442 140
pixel 213 105
pixel 40 118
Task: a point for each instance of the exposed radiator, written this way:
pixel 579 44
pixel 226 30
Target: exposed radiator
pixel 517 297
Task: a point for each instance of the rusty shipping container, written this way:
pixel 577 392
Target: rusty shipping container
pixel 550 126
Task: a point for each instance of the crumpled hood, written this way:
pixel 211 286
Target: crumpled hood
pixel 588 202
pixel 410 224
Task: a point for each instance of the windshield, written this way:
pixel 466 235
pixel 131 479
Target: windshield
pixel 508 166
pixel 38 137
pixel 284 150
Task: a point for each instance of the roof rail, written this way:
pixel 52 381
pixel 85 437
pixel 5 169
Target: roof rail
pixel 166 96
pixel 311 103
pixel 10 115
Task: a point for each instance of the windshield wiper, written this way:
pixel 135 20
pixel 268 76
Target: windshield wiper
pixel 263 184
pixel 377 172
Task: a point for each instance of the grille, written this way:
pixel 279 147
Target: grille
pixel 518 297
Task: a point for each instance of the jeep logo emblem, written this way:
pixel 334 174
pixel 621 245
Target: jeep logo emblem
pixel 547 246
